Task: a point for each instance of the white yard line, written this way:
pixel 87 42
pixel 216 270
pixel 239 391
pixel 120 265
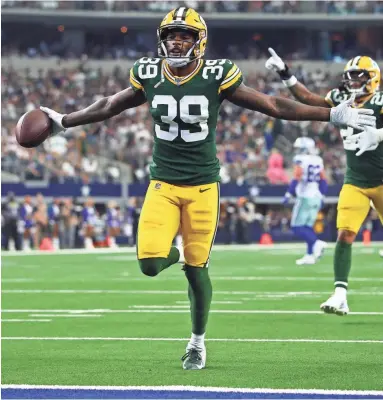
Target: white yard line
pixel 213 302
pixel 159 339
pixel 201 389
pixel 65 315
pixel 170 310
pixel 182 292
pixel 216 248
pixel 27 320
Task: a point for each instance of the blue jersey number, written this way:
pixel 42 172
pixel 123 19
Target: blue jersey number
pixel 313 173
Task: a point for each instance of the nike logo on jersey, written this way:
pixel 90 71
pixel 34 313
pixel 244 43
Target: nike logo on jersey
pixel 204 190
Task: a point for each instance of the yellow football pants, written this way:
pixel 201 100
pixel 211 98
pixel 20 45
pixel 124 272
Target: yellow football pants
pixel 354 205
pixel 166 208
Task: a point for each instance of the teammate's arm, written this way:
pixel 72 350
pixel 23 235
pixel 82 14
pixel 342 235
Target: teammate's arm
pixel 279 107
pixel 298 89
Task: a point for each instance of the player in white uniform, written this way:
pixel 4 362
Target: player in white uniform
pixel 309 186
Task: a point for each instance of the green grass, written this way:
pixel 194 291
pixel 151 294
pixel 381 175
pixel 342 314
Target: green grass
pixel 131 305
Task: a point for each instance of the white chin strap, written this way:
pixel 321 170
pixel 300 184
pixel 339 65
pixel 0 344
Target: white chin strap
pixel 178 61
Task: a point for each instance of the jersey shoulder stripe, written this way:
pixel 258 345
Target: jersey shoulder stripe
pixel 134 81
pixel 328 100
pixel 234 76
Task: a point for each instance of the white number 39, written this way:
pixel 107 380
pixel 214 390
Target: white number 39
pixel 184 115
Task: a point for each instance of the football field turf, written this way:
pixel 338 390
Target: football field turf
pixel 95 320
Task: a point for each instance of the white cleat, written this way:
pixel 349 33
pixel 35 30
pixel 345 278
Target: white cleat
pixel 381 253
pixel 335 305
pixel 307 259
pixel 319 248
pixel 194 358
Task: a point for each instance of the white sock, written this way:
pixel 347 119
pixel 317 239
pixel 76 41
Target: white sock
pixel 197 340
pixel 340 291
pixel 112 241
pixel 179 241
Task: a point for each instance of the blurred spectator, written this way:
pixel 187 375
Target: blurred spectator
pixel 276 174
pixel 10 221
pixel 41 223
pixel 67 224
pixel 246 216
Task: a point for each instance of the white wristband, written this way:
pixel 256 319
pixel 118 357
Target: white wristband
pixel 291 81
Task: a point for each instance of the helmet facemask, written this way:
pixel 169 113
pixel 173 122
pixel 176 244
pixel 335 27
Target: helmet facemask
pixel 185 55
pixel 357 81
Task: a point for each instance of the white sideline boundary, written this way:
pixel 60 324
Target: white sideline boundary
pixel 228 340
pixel 202 389
pixel 219 247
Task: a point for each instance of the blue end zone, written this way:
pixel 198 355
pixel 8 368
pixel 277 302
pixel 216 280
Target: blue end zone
pixel 164 394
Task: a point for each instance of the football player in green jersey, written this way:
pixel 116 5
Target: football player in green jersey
pixel 364 175
pixel 184 93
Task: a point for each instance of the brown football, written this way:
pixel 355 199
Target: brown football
pixel 33 128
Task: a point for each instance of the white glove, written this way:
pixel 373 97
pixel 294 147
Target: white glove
pixel 275 63
pixel 368 140
pixel 57 126
pixel 357 118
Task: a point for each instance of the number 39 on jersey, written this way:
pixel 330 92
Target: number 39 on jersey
pixel 185 112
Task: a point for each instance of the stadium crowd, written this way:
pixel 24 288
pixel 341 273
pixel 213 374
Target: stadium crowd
pixel 273 6
pixel 62 223
pixel 66 223
pixel 251 146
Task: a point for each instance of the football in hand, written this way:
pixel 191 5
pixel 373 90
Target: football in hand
pixel 33 128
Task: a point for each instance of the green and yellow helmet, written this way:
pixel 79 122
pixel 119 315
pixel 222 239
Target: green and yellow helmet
pixel 189 20
pixel 361 76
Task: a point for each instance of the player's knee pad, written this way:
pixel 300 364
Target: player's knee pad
pixel 151 266
pixel 196 255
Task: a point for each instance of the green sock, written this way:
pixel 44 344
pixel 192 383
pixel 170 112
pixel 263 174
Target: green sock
pixel 342 264
pixel 153 266
pixel 200 294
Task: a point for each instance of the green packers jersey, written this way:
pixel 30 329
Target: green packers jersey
pixel 365 171
pixel 185 112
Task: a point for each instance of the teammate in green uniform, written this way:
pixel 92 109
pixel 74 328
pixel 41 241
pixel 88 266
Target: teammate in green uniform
pixel 184 93
pixel 363 182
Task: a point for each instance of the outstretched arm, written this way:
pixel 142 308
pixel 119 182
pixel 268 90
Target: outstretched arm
pixel 105 108
pixel 279 107
pixel 101 110
pixel 298 89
